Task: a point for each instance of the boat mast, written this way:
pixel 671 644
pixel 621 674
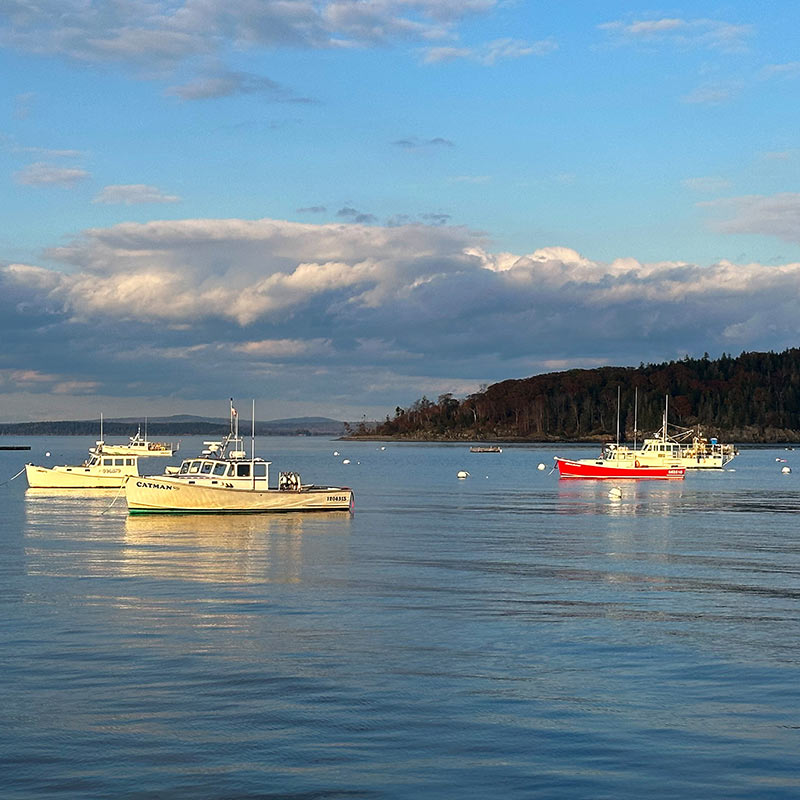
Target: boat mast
pixel 666 414
pixel 635 415
pixel 253 446
pixel 618 393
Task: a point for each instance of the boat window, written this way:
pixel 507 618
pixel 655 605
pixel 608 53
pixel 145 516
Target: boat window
pixel 119 462
pixel 206 468
pixel 260 470
pixel 195 467
pixel 219 469
pixel 184 467
pixel 242 470
pixel 128 462
pixel 108 462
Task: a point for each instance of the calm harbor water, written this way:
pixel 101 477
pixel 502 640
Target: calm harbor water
pixel 506 636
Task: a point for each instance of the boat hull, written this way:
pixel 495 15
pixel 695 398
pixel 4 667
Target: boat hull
pixel 161 495
pixel 74 477
pixel 568 468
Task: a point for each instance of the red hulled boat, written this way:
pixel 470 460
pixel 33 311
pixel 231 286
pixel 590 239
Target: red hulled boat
pixel 598 468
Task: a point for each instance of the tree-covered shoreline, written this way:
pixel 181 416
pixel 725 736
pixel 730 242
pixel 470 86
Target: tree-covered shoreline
pixel 754 397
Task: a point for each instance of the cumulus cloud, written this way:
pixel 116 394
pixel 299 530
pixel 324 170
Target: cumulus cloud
pixel 160 34
pixel 133 194
pixel 368 314
pixel 43 174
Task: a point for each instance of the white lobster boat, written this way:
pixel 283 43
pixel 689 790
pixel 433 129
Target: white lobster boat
pixel 224 479
pixel 137 445
pixel 672 446
pixel 99 471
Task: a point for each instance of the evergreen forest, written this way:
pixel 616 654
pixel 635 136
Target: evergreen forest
pixel 754 397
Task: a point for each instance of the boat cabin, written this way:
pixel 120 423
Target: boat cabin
pixel 111 461
pixel 662 449
pixel 99 464
pixel 249 472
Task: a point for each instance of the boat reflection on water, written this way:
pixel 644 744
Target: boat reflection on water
pixel 247 548
pixel 651 498
pixel 72 502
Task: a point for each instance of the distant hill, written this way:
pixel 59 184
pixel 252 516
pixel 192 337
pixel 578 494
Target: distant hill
pixel 754 397
pixel 177 425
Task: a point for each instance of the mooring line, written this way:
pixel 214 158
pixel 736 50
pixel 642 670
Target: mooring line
pixel 11 479
pixel 116 497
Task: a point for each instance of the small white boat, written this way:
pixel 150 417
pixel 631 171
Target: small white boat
pixel 224 479
pixel 486 449
pixel 137 445
pixel 99 471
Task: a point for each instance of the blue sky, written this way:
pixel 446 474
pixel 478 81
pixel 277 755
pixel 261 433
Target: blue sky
pixel 337 206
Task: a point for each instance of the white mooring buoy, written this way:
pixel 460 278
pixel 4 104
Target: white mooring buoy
pixel 462 474
pixel 786 470
pixel 615 493
pixel 541 467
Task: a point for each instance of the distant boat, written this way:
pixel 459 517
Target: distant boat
pixel 137 445
pixel 609 466
pixel 488 449
pixel 224 479
pixel 599 468
pixel 15 447
pixel 99 471
pixel 684 447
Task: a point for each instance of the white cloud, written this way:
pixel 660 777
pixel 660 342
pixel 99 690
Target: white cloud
pixel 342 310
pixel 490 53
pixel 42 174
pixel 788 70
pixel 228 83
pixel 712 94
pixel 707 184
pixel 156 35
pixel 133 194
pixel 704 33
pixel 278 349
pixel 775 215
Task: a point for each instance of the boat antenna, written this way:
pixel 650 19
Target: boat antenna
pixel 635 415
pixel 618 394
pixel 666 414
